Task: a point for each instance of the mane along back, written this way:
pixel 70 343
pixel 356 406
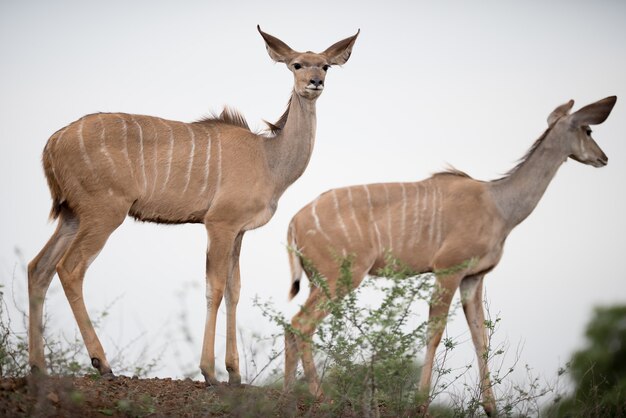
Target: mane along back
pixel 530 152
pixel 228 117
pixel 451 171
pixel 234 118
pixel 276 127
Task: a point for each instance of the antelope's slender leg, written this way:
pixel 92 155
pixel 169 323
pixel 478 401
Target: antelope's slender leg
pixel 471 298
pixel 437 317
pixel 220 267
pixel 291 360
pixel 93 232
pixel 40 273
pixel 231 297
pixel 304 324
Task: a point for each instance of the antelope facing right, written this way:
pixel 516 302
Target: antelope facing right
pixel 434 225
pixel 215 171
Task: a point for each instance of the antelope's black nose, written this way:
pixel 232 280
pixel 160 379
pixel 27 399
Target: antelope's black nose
pixel 316 82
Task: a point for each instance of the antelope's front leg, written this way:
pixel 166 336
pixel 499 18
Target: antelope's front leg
pixel 472 299
pixel 219 269
pixel 232 298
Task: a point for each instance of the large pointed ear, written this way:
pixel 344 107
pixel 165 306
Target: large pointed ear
pixel 278 50
pixel 339 52
pixel 559 112
pixel 594 113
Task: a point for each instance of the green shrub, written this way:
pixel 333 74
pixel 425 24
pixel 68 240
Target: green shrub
pixel 598 372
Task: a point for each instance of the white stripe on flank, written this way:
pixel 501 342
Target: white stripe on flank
pixel 416 217
pixel 155 157
pixel 317 219
pixel 371 213
pixel 356 222
pixel 191 155
pixel 103 144
pixel 142 162
pixel 439 217
pixel 207 160
pixel 342 224
pixel 390 248
pixel 402 234
pixel 58 138
pixel 83 150
pixel 170 155
pixel 125 150
pixel 433 215
pixel 54 145
pixel 422 213
pixel 219 161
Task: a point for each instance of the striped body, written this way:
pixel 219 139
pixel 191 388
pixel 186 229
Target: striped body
pixel 411 221
pixel 449 224
pixel 215 171
pixel 169 171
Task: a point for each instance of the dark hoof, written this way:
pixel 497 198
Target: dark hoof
pixel 217 388
pixel 211 382
pixel 36 376
pixel 36 371
pixel 422 410
pixel 105 373
pixel 234 380
pixel 490 412
pixel 108 376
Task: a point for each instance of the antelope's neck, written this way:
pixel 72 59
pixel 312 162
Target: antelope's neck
pixel 288 153
pixel 518 194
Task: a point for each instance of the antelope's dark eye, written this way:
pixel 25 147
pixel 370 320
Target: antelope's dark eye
pixel 588 131
pixel 326 67
pixel 297 66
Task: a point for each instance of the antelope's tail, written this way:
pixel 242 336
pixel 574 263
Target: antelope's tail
pixel 295 262
pixel 53 184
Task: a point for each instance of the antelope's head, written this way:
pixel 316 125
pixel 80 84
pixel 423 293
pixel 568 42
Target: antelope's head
pixel 308 68
pixel 575 131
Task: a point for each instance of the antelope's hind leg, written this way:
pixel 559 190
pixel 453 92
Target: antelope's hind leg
pixel 291 360
pixel 40 273
pixel 298 344
pixel 93 231
pixel 445 287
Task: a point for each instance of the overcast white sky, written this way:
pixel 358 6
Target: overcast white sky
pixel 429 83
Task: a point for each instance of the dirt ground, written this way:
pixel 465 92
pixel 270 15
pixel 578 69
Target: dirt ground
pixel 132 397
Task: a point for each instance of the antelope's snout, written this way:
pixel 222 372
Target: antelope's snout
pixel 595 156
pixel 316 83
pixel 599 159
pixel 311 85
pixel 602 160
